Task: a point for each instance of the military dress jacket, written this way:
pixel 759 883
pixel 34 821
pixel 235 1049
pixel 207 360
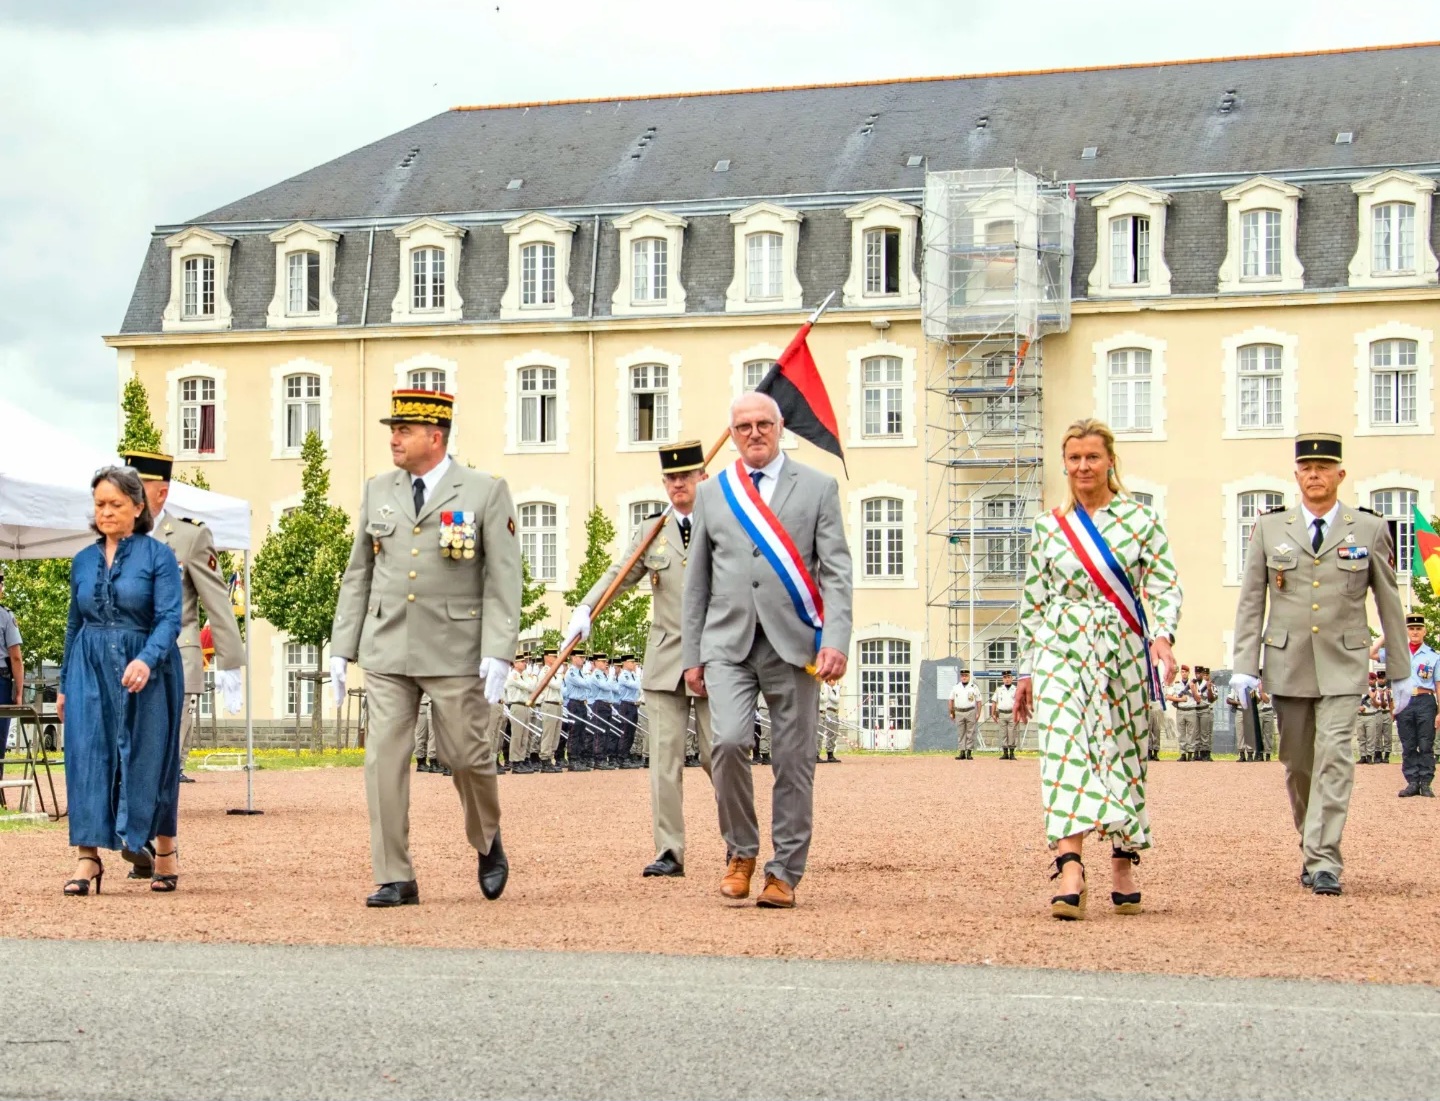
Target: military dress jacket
pixel 200 583
pixel 664 562
pixel 433 594
pixel 1315 639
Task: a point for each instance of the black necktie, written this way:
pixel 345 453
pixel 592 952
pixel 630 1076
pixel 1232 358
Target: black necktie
pixel 418 490
pixel 1319 535
pixel 685 532
pixel 755 476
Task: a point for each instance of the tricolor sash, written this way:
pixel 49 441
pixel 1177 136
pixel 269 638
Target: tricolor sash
pixel 775 544
pixel 1112 581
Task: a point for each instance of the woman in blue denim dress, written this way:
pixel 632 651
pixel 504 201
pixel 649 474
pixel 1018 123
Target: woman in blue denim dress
pixel 121 688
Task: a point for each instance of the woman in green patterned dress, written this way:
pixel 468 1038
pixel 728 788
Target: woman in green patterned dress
pixel 1084 671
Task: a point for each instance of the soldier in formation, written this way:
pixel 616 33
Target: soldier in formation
pixel 1205 692
pixel 1186 701
pixel 427 756
pixel 829 731
pixel 518 686
pixel 576 692
pixel 1002 712
pixel 965 714
pixel 627 710
pixel 1417 722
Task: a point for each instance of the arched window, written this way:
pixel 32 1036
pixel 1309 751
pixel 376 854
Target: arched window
pixel 765 265
pixel 883 537
pixel 302 408
pixel 198 299
pixel 1260 248
pixel 1130 390
pixel 302 278
pixel 539 539
pixel 197 416
pixel 886 691
pixel 755 372
pixel 1260 392
pixel 882 261
pixel 537 274
pixel 649 403
pixel 650 269
pixel 1393 389
pixel 640 511
pixel 1393 237
pixel 427 274
pixel 1398 505
pixel 538 421
pixel 427 378
pixel 883 397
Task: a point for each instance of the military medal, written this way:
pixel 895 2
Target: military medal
pixel 457 535
pixel 1279 579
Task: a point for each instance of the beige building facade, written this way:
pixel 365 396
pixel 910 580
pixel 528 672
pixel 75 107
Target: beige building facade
pixel 1218 309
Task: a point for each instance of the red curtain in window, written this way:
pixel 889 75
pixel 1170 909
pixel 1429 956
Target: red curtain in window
pixel 207 430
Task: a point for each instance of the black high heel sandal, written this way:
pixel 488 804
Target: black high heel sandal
pixel 142 861
pixel 1125 904
pixel 1069 907
pixel 164 884
pixel 79 888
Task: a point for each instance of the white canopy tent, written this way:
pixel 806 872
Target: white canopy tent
pixel 46 508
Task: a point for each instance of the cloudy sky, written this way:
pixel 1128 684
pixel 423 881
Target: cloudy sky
pixel 123 114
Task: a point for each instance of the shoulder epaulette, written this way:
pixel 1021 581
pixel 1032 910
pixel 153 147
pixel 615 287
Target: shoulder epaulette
pixel 1362 508
pixel 655 515
pixel 1273 511
pixel 192 520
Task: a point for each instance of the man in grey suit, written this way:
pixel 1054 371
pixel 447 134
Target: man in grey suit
pixel 430 598
pixel 667 702
pixel 1314 565
pixel 743 637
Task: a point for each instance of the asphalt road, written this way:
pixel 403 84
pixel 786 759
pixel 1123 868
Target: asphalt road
pixel 109 1020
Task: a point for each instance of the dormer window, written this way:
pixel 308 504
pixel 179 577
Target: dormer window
pixel 199 276
pixel 304 278
pixel 429 262
pixel 537 275
pixel 882 254
pixel 1130 235
pixel 1394 246
pixel 651 244
pixel 539 268
pixel 1262 220
pixel 767 239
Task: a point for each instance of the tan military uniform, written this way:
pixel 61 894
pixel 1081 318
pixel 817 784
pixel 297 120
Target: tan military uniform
pixel 201 584
pixel 828 732
pixel 1002 706
pixel 518 687
pixel 424 732
pixel 551 717
pixel 965 702
pixel 667 701
pixel 1302 616
pixel 419 621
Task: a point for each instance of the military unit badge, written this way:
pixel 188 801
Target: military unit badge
pixel 457 535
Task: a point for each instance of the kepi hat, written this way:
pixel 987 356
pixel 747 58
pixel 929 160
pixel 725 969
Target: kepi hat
pixel 150 465
pixel 677 458
pixel 420 407
pixel 1414 620
pixel 1324 446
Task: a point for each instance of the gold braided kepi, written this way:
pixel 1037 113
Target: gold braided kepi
pixel 420 407
pixel 150 465
pixel 1324 446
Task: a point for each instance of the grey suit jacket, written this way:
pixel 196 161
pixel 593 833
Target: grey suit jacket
pixel 1316 640
pixel 665 561
pixel 407 610
pixel 730 588
pixel 201 583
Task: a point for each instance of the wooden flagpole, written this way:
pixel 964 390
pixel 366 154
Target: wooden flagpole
pixel 614 587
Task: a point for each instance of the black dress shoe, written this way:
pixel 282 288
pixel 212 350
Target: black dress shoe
pixel 1326 883
pixel 550 766
pixel 434 765
pixel 186 779
pixel 1426 792
pixel 831 759
pixel 420 765
pixel 494 870
pixel 764 758
pixel 1306 879
pixel 1408 790
pixel 142 861
pixel 664 864
pixel 406 893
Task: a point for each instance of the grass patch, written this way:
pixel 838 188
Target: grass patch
pixel 278 760
pixel 12 822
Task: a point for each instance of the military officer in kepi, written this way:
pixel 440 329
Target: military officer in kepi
pixel 430 603
pixel 202 585
pixel 1301 615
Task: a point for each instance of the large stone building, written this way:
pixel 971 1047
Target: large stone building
pixel 1252 255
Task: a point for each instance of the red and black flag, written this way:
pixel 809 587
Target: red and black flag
pixel 795 384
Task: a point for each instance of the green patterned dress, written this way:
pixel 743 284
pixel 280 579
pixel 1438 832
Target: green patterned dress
pixel 1089 671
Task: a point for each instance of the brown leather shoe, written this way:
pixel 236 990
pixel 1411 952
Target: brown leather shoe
pixel 777 895
pixel 736 883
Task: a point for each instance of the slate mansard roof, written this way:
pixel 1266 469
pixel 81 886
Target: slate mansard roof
pixel 1192 128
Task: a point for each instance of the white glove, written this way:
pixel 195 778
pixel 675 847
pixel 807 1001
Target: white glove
pixel 494 673
pixel 579 624
pixel 1242 684
pixel 338 666
pixel 1404 691
pixel 228 681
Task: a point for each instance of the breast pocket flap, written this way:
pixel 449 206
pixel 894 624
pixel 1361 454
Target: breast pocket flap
pixel 1281 561
pixel 380 528
pixel 1350 565
pixel 657 561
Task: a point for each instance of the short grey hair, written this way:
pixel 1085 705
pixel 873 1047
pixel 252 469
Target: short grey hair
pixel 127 482
pixel 774 405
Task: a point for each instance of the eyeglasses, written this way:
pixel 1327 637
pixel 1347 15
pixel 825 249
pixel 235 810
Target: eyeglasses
pixel 750 428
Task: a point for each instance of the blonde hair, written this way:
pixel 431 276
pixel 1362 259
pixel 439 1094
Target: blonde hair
pixel 1089 426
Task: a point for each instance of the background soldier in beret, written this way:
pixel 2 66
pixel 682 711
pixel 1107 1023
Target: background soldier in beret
pixel 1205 692
pixel 201 584
pixel 1302 615
pixel 667 700
pixel 430 603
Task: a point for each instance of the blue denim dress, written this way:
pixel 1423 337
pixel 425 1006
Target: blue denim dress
pixel 122 748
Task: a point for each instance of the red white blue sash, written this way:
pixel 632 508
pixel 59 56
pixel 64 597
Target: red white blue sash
pixel 1111 579
pixel 774 542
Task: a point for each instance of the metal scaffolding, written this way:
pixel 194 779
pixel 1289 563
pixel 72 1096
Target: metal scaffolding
pixel 998 253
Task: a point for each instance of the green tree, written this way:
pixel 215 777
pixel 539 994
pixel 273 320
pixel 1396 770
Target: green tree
pixel 623 626
pixel 140 433
pixel 533 608
pixel 295 583
pixel 228 565
pixel 37 590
